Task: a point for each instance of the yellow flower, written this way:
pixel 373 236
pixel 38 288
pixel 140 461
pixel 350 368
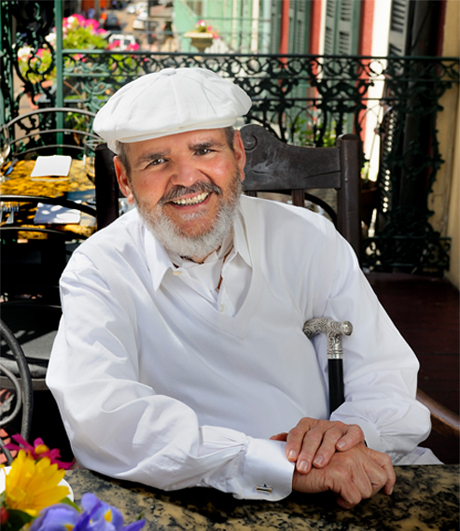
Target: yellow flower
pixel 32 485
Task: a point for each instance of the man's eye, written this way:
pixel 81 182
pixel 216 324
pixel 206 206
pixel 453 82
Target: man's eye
pixel 156 162
pixel 203 151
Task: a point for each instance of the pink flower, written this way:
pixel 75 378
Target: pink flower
pixel 38 450
pixel 91 23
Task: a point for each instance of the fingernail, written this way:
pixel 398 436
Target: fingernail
pixel 292 455
pixel 302 466
pixel 391 491
pixel 318 460
pixel 340 444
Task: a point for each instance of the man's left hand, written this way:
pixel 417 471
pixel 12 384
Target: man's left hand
pixel 313 442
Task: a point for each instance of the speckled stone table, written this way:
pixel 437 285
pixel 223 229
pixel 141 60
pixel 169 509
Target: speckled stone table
pixel 424 498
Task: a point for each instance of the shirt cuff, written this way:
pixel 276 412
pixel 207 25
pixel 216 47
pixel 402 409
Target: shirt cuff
pixel 267 471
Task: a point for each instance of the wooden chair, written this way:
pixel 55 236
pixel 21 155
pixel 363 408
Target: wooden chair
pixel 443 420
pixel 273 166
pixel 107 189
pixel 15 376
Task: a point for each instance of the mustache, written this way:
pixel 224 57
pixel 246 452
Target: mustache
pixel 198 187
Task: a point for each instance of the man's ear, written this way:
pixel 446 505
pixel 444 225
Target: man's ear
pixel 123 180
pixel 240 153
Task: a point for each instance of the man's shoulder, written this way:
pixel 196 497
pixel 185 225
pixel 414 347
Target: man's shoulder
pixel 278 216
pixel 122 234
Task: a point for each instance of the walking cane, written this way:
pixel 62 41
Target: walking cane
pixel 334 332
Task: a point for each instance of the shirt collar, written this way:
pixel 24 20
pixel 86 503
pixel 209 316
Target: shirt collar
pixel 159 261
pixel 240 242
pixel 157 258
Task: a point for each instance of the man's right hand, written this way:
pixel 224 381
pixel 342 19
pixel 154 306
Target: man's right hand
pixel 353 475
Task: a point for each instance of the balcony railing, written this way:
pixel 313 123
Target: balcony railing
pixel 306 100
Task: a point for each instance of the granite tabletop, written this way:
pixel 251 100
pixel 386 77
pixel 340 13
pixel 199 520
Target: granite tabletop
pixel 424 498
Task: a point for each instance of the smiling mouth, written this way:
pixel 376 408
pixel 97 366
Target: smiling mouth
pixel 192 200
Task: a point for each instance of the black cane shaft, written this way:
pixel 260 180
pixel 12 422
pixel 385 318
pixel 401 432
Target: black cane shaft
pixel 336 388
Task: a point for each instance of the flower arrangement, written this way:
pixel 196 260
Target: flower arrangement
pixel 202 27
pixel 77 33
pixel 35 499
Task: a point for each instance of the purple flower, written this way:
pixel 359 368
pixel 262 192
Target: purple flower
pixel 58 517
pixel 96 516
pixel 103 517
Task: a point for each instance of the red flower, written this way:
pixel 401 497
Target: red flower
pixel 3 516
pixel 38 450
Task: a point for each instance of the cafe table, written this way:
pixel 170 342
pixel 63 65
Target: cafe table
pixel 75 187
pixel 424 498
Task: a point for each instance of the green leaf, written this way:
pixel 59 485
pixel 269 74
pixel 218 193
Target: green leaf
pixel 68 501
pixel 16 520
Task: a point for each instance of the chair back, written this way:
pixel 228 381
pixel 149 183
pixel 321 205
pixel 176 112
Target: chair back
pixel 51 131
pixel 32 263
pixel 107 189
pixel 15 375
pixel 273 166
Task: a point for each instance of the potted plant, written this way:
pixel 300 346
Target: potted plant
pixel 202 36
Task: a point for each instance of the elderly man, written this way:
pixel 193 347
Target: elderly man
pixel 180 360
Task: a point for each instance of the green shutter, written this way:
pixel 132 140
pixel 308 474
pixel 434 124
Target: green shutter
pixel 397 38
pixel 331 28
pixel 299 26
pixel 275 23
pixel 342 27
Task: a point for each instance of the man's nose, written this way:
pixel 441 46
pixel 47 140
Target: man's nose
pixel 185 173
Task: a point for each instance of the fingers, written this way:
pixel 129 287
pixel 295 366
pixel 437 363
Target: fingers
pixel 302 443
pixel 384 461
pixel 279 437
pixel 352 436
pixel 313 442
pixel 353 475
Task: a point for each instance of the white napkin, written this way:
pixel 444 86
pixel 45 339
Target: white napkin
pixel 54 165
pixel 56 214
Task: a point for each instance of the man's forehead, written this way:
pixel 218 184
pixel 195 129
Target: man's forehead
pixel 189 139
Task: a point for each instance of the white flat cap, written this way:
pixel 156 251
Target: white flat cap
pixel 168 102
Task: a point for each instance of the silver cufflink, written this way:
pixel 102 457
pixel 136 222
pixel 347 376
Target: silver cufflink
pixel 264 489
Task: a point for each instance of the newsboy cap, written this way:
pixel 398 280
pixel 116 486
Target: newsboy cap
pixel 174 100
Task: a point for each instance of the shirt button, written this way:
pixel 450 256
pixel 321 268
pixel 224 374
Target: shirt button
pixel 177 273
pixel 222 308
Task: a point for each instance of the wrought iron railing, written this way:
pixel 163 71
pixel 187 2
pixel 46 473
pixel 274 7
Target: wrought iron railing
pixel 307 100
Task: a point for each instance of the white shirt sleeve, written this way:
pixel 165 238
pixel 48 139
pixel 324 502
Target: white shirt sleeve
pixel 122 428
pixel 380 369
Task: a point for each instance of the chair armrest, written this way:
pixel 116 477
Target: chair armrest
pixel 444 421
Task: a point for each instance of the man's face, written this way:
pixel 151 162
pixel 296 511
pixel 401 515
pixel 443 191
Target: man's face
pixel 185 179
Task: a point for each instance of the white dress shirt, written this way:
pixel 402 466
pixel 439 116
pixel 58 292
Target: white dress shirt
pixel 160 381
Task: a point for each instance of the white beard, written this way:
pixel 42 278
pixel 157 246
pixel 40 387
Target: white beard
pixel 195 247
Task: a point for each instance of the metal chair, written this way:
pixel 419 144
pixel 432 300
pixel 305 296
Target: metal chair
pixel 50 131
pixel 15 375
pixel 33 258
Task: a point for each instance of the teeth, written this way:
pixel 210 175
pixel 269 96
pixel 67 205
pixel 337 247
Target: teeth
pixel 192 200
